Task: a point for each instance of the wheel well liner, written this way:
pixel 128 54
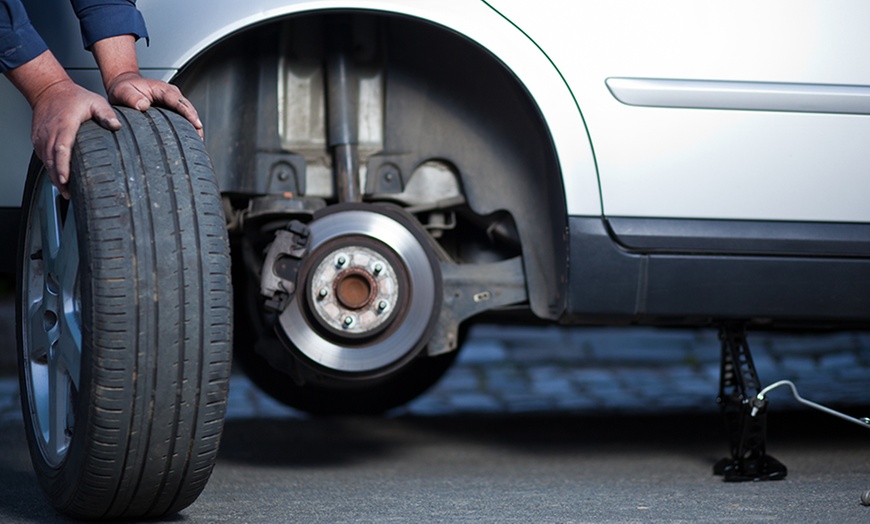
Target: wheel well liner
pixel 446 98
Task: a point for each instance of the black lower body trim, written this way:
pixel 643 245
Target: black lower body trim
pixel 741 237
pixel 609 284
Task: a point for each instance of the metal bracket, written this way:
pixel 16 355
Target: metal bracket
pixel 470 289
pixel 745 413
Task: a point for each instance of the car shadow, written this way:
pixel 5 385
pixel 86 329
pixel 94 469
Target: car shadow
pixel 341 441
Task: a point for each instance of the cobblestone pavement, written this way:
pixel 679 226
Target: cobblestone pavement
pixel 638 370
pixel 505 369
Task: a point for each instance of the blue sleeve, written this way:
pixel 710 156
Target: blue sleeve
pixel 19 41
pixel 106 18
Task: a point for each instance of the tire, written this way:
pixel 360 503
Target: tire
pixel 128 284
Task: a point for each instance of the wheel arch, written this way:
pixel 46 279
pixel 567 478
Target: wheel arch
pixel 537 163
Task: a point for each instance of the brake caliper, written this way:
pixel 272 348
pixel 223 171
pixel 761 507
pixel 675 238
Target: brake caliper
pixel 283 257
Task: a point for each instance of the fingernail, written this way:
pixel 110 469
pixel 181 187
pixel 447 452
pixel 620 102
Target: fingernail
pixel 141 105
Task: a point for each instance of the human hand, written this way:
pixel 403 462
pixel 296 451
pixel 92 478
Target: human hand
pixel 58 112
pixel 133 90
pixel 59 109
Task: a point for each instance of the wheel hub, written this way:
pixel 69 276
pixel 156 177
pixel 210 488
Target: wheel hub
pixel 351 290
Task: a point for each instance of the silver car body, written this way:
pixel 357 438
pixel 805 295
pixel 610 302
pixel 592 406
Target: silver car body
pixel 631 140
pixel 674 151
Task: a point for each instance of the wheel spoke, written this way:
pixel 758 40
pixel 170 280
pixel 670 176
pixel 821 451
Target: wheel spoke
pixel 69 353
pixel 70 341
pixel 50 222
pixel 58 408
pixel 37 370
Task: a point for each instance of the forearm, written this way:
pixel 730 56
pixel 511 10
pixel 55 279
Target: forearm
pixel 116 56
pixel 119 67
pixel 36 77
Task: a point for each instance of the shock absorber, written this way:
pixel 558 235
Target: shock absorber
pixel 342 108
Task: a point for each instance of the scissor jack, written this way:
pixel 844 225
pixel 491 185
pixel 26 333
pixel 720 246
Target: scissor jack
pixel 744 407
pixel 744 412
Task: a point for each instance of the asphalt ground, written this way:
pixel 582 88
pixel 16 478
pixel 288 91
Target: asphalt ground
pixel 532 424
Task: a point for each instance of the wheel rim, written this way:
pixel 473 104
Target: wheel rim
pixel 389 285
pixel 51 320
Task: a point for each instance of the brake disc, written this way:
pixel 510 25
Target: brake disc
pixel 359 290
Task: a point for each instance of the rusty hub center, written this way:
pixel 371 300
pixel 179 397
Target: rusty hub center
pixel 355 289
